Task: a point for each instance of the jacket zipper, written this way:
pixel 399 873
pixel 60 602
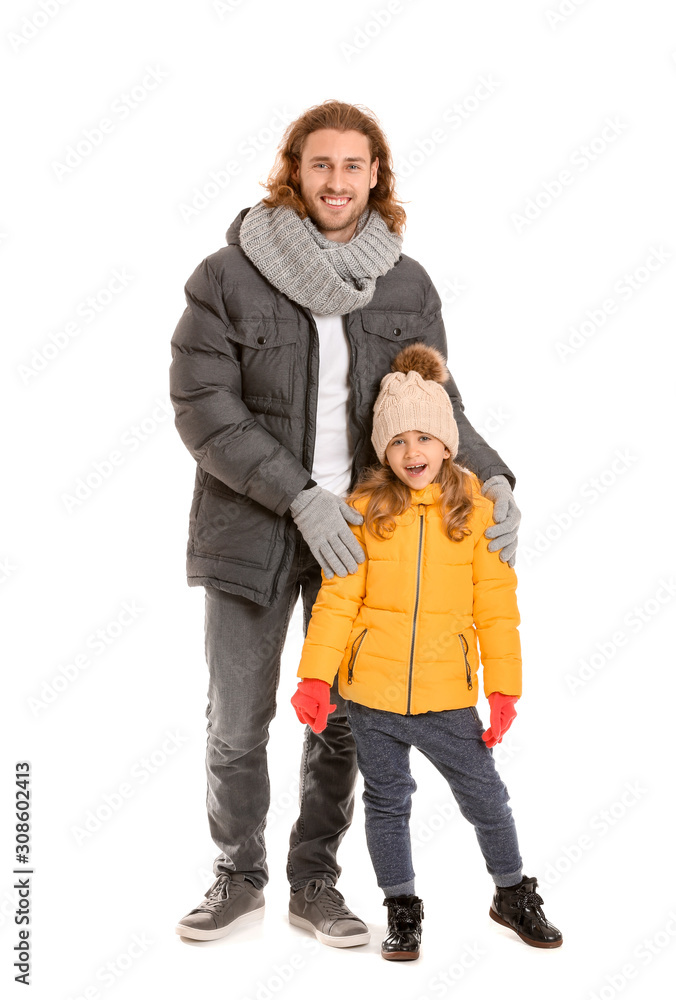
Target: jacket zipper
pixel 415 614
pixel 356 439
pixel 353 655
pixel 468 669
pixel 307 464
pixel 309 459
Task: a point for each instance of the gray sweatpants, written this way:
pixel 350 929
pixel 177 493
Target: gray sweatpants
pixel 452 742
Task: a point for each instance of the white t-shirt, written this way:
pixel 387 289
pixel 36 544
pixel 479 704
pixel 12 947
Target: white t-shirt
pixel 332 465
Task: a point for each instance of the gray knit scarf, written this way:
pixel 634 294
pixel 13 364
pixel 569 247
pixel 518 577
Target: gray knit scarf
pixel 325 276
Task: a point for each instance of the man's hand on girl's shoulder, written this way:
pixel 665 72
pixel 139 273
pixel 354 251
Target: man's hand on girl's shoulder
pixel 322 518
pixel 507 517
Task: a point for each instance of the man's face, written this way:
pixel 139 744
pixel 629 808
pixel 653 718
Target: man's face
pixel 416 448
pixel 335 166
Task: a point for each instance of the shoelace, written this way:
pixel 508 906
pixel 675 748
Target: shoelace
pixel 326 896
pixel 402 917
pixel 217 894
pixel 528 897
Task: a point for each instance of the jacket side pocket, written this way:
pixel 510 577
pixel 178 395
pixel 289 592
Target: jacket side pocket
pixel 355 653
pixel 468 670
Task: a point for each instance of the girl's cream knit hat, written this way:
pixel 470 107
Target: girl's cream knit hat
pixel 412 398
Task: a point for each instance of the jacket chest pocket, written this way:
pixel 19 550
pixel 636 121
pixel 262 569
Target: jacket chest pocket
pixel 267 354
pixel 388 332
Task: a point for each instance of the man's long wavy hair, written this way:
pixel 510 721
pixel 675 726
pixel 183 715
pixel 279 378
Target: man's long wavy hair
pixel 389 497
pixel 284 190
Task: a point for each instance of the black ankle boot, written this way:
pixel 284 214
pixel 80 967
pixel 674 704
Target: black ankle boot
pixel 404 928
pixel 520 908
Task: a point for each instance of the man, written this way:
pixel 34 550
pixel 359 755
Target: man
pixel 276 364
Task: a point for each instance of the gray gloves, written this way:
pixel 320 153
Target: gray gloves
pixel 508 516
pixel 320 516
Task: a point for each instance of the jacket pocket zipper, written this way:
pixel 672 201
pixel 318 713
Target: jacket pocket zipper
pixel 353 655
pixel 468 669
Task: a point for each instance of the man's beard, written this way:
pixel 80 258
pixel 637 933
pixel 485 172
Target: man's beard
pixel 330 224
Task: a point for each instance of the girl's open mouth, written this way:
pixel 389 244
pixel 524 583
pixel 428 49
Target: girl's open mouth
pixel 416 470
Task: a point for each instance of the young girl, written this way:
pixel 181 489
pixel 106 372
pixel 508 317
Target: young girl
pixel 402 633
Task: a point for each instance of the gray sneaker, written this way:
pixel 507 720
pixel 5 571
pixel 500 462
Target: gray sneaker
pixel 320 908
pixel 230 902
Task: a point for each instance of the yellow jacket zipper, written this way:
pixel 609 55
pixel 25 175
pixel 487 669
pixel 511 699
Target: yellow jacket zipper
pixel 415 612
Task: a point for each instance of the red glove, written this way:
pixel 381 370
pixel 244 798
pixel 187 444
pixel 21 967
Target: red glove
pixel 503 715
pixel 311 702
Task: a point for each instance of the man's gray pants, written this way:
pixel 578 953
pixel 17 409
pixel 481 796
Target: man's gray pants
pixel 243 648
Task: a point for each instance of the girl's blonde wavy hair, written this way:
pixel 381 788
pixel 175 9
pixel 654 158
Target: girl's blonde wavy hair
pixel 389 497
pixel 284 190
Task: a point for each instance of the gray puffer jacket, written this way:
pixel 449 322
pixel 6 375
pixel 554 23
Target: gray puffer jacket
pixel 243 382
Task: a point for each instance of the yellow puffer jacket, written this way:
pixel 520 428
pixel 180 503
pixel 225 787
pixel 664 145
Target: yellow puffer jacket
pixel 402 629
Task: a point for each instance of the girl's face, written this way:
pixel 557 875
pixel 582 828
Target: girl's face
pixel 411 449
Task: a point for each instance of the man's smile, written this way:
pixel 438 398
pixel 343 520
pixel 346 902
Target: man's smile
pixel 335 202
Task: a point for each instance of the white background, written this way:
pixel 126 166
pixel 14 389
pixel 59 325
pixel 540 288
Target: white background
pixel 590 432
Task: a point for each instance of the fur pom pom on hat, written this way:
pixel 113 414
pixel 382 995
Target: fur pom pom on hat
pixel 412 398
